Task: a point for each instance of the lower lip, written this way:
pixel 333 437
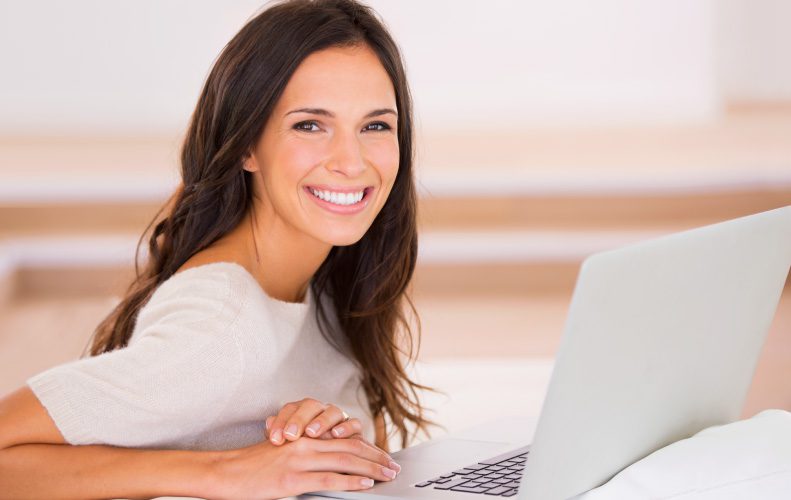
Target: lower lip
pixel 342 209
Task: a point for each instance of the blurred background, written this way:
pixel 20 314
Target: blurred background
pixel 546 131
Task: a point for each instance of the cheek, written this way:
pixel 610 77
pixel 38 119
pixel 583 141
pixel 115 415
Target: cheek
pixel 385 157
pixel 295 160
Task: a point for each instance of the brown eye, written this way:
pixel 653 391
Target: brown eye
pixel 382 124
pixel 301 126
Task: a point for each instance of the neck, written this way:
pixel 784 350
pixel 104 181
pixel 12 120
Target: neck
pixel 283 260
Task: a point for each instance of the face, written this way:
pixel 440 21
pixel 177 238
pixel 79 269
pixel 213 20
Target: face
pixel 328 156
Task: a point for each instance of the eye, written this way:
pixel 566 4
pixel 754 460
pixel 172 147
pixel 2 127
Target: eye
pixel 382 124
pixel 301 126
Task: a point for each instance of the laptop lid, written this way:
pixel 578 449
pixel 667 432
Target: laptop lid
pixel 661 341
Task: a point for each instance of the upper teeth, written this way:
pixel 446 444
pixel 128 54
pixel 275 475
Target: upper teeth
pixel 339 198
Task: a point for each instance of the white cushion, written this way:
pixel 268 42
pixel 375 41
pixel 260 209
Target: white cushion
pixel 745 459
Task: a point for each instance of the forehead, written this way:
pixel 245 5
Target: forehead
pixel 340 76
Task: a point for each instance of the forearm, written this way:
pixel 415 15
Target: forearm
pixel 54 472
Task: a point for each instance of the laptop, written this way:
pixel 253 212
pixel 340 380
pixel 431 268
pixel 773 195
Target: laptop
pixel 661 341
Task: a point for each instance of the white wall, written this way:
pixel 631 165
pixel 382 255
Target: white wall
pixel 136 67
pixel 754 38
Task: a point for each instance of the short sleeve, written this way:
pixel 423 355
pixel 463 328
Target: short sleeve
pixel 171 382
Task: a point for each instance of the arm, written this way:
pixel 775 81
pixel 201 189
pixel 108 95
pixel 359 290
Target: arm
pixel 35 462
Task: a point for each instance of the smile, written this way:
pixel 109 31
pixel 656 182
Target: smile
pixel 341 201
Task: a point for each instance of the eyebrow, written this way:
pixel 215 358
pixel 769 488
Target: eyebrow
pixel 324 112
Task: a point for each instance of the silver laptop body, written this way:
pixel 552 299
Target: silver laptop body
pixel 661 341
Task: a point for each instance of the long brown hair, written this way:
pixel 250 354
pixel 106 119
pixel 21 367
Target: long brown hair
pixel 367 282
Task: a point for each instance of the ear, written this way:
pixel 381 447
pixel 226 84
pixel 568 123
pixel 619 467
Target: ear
pixel 249 163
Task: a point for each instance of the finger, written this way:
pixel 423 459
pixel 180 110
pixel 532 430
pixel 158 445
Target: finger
pixel 329 481
pixel 328 435
pixel 331 416
pixel 269 421
pixel 308 410
pixel 278 425
pixel 357 447
pixel 392 463
pixel 347 428
pixel 349 463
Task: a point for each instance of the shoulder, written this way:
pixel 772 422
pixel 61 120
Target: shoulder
pixel 212 294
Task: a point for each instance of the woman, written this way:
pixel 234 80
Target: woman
pixel 277 274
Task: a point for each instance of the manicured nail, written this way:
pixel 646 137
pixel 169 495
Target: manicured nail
pixel 338 431
pixel 276 436
pixel 388 472
pixel 394 466
pixel 367 482
pixel 314 428
pixel 291 430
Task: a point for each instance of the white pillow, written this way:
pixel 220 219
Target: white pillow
pixel 748 459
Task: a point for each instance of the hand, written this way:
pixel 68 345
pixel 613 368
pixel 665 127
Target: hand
pixel 265 471
pixel 309 413
pixel 315 418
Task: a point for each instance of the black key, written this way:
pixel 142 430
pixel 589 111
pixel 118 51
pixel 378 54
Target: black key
pixel 502 480
pixel 506 456
pixel 510 493
pixel 421 485
pixel 472 476
pixel 489 484
pixel 497 491
pixel 447 475
pixel 470 489
pixel 464 470
pixel 450 484
pixel 476 466
pixel 443 480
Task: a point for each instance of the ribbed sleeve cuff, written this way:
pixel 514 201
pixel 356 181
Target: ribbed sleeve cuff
pixel 53 396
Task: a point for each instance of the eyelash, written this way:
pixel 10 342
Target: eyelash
pixel 298 126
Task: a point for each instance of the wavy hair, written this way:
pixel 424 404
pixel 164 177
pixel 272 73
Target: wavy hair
pixel 367 282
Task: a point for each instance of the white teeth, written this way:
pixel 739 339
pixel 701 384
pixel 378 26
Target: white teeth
pixel 339 198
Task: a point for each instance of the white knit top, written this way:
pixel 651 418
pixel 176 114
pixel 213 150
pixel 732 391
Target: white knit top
pixel 211 356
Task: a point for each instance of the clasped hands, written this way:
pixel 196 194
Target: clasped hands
pixel 317 420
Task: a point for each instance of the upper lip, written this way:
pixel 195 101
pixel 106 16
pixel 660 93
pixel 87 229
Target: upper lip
pixel 338 189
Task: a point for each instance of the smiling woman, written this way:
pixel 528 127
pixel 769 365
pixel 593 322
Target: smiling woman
pixel 273 302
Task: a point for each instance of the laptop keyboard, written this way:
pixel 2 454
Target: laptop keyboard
pixel 498 475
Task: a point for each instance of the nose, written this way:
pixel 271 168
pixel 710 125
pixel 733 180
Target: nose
pixel 346 156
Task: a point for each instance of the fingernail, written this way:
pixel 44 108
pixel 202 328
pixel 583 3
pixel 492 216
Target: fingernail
pixel 367 482
pixel 314 428
pixel 338 431
pixel 388 472
pixel 291 430
pixel 276 436
pixel 394 466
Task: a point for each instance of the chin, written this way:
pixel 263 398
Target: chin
pixel 343 238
